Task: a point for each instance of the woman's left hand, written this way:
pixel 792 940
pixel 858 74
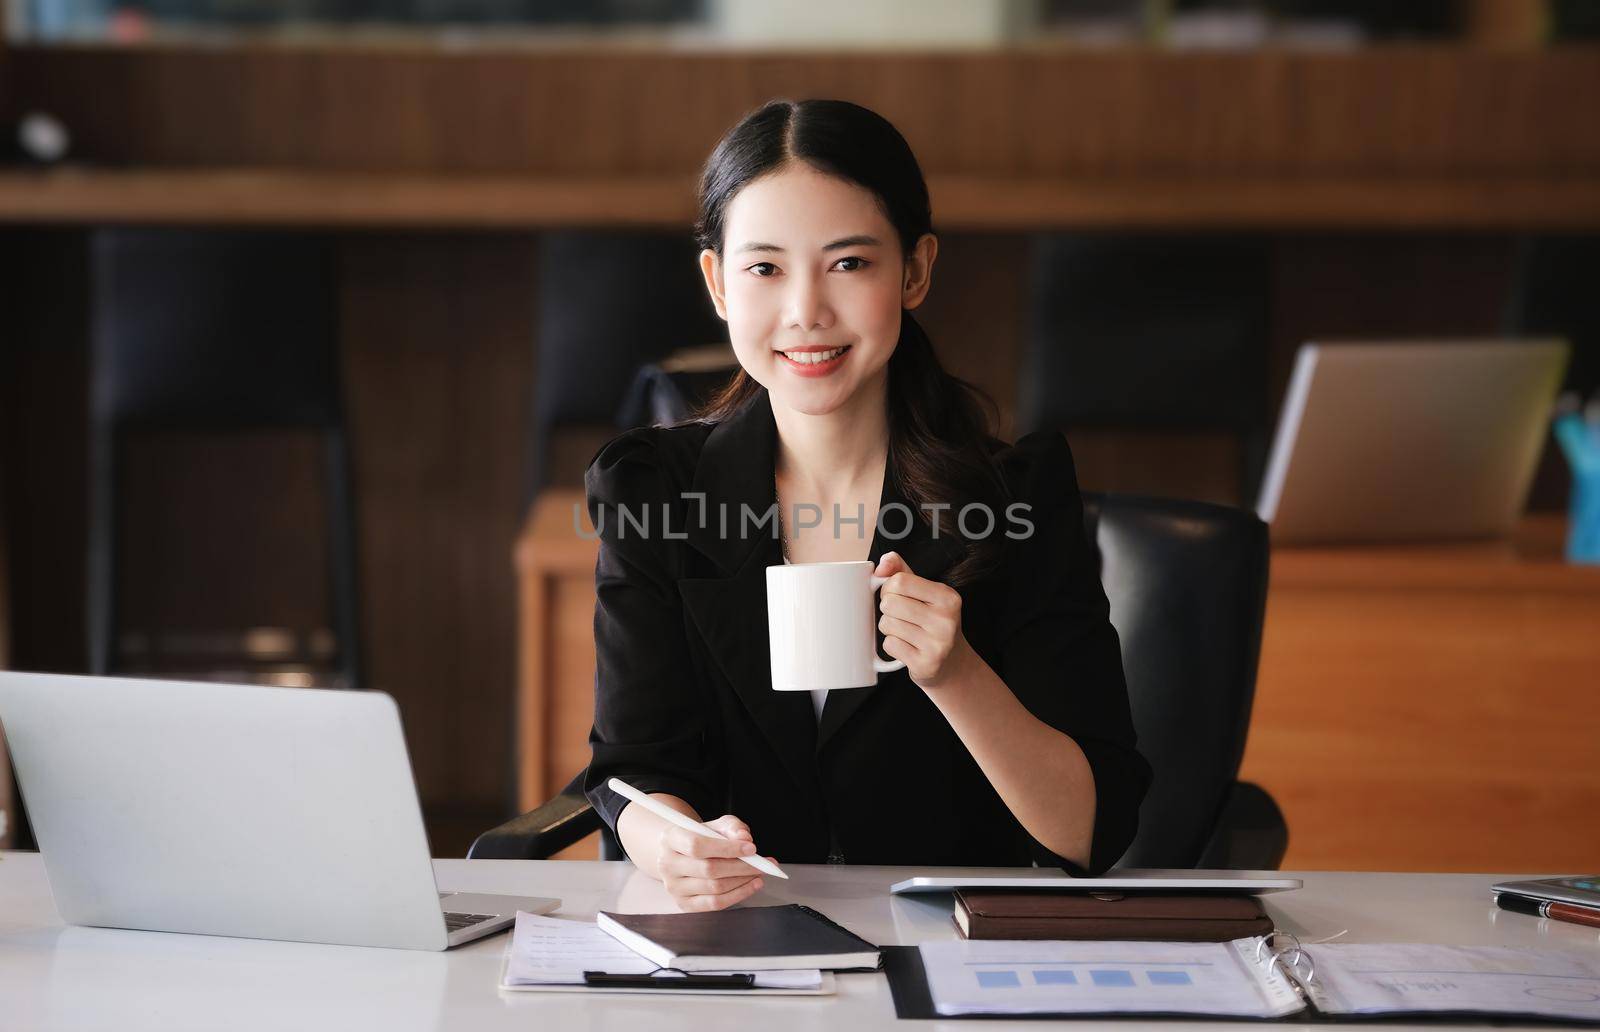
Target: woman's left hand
pixel 921 624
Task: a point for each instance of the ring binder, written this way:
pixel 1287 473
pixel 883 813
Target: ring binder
pixel 1345 982
pixel 1292 972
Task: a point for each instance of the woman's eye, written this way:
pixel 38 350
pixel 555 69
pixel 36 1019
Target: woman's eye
pixel 763 269
pixel 851 264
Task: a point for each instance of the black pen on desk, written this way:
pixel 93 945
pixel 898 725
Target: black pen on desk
pixel 1553 909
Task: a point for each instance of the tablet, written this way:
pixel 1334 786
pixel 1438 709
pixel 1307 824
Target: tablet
pixel 1126 881
pixel 1583 890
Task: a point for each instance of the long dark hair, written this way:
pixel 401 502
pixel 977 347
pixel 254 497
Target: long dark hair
pixel 939 425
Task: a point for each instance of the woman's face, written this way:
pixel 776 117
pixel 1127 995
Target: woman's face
pixel 812 282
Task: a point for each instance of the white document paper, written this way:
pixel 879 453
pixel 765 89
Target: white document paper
pixel 550 951
pixel 1057 977
pixel 1351 978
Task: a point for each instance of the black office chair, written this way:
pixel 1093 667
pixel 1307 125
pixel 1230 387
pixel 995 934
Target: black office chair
pixel 661 395
pixel 609 303
pixel 219 348
pixel 1553 294
pixel 1154 333
pixel 1188 584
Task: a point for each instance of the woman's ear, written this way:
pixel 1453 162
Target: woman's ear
pixel 919 271
pixel 711 269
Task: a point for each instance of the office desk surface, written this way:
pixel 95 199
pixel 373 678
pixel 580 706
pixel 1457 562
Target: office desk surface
pixel 56 977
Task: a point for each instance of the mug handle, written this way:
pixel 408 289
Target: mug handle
pixel 884 666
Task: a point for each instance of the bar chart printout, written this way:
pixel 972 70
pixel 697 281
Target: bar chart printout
pixel 1054 977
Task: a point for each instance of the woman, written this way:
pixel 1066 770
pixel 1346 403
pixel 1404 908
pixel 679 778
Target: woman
pixel 1007 738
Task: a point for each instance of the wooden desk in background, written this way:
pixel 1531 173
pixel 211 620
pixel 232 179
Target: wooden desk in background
pixel 1418 708
pixel 1433 707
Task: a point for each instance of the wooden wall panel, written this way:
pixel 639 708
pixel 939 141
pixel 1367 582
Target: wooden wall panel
pixel 44 449
pixel 1413 111
pixel 976 310
pixel 438 352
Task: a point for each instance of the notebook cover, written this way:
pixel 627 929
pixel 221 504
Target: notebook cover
pixel 1165 917
pixel 765 936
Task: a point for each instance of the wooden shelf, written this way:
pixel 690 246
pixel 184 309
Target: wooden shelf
pixel 356 200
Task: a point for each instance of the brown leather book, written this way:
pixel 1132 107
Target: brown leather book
pixel 1161 917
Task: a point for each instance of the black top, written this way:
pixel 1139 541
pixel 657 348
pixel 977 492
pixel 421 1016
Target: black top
pixel 683 696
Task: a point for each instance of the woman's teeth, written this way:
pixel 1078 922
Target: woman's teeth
pixel 813 357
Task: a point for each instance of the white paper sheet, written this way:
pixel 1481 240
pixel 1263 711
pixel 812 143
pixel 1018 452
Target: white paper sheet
pixel 1352 978
pixel 1055 977
pixel 552 951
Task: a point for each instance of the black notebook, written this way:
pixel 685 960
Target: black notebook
pixel 742 939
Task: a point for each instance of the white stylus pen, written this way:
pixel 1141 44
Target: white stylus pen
pixel 667 813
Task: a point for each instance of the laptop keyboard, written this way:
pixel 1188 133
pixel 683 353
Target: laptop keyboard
pixel 456 922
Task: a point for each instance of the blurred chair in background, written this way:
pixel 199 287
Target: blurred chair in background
pixel 222 530
pixel 1153 334
pixel 669 391
pixel 609 303
pixel 1553 294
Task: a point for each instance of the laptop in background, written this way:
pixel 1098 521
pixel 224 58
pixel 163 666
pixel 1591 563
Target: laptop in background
pixel 1409 441
pixel 242 810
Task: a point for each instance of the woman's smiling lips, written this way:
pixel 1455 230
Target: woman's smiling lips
pixel 814 359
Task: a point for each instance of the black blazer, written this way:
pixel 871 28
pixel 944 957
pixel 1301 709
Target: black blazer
pixel 683 696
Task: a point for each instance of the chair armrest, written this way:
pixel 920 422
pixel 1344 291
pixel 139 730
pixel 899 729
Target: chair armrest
pixel 1250 835
pixel 542 833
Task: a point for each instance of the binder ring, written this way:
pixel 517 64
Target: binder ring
pixel 1286 959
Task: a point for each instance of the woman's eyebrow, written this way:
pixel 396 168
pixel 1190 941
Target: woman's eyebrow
pixel 860 240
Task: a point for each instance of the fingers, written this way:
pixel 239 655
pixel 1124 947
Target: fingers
pixel 681 840
pixel 704 873
pixel 932 592
pixel 719 901
pixel 905 630
pixel 896 647
pixel 904 606
pixel 676 865
pixel 889 564
pixel 731 826
pixel 902 615
pixel 934 619
pixel 685 887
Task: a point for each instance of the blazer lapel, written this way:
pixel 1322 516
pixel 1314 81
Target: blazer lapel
pixel 734 477
pixel 734 484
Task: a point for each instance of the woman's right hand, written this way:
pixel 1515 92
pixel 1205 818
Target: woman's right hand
pixel 704 873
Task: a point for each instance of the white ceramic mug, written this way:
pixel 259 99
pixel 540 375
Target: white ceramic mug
pixel 822 623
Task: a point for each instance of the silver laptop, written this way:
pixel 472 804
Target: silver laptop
pixel 1409 441
pixel 265 813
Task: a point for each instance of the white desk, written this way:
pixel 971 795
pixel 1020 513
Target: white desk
pixel 56 977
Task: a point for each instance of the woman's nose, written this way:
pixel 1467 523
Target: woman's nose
pixel 808 305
